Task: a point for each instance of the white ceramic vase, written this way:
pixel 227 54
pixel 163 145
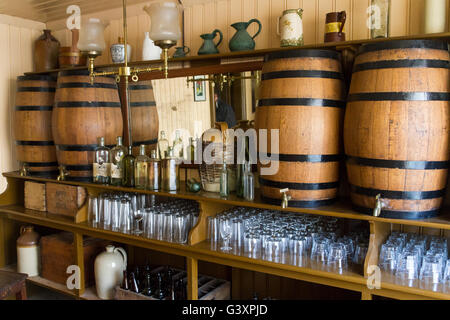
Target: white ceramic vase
pixel 149 50
pixel 109 267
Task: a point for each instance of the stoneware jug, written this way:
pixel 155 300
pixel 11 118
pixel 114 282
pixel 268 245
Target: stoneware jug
pixel 109 266
pixel 290 28
pixel 334 26
pixel 28 252
pixel 46 49
pixel 209 47
pixel 242 41
pixel 181 52
pixel 149 50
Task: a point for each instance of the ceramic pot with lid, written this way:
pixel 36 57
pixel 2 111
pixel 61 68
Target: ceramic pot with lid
pixel 28 257
pixel 109 266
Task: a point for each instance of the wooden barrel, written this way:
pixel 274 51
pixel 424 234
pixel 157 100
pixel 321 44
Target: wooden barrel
pixel 144 116
pixel 33 124
pixel 302 95
pixel 83 113
pixel 397 128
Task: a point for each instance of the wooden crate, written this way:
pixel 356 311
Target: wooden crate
pixel 208 288
pixel 35 196
pixel 66 200
pixel 57 253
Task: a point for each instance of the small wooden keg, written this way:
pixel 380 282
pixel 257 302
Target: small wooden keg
pixel 32 124
pixel 144 116
pixel 302 96
pixel 83 113
pixel 397 128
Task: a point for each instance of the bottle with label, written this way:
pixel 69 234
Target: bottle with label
pixel 117 154
pixel 178 146
pixel 163 145
pixel 224 192
pixel 102 163
pixel 170 172
pixel 249 183
pixel 128 169
pixel 154 172
pixel 141 169
pixel 191 151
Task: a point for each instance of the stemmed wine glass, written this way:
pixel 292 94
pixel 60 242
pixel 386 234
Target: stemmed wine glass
pixel 138 216
pixel 226 231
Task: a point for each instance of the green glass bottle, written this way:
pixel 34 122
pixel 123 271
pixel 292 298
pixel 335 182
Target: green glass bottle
pixel 128 169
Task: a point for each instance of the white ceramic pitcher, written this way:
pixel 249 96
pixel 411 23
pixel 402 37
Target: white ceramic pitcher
pixel 290 28
pixel 109 267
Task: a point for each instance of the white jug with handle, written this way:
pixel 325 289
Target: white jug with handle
pixel 290 28
pixel 109 267
pixel 149 50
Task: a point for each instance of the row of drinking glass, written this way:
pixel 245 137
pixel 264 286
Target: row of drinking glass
pixel 411 257
pixel 287 238
pixel 139 214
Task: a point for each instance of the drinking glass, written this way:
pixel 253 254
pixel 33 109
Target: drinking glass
pixel 106 216
pixel 360 253
pixel 273 250
pixel 168 227
pixel 226 232
pixel 180 232
pixel 159 227
pixel 431 270
pixel 93 214
pixel 319 252
pixel 115 214
pixel 407 267
pixel 447 272
pixel 125 217
pixel 252 245
pixel 388 257
pixel 337 257
pixel 138 216
pixel 213 229
pixel 238 233
pixel 150 223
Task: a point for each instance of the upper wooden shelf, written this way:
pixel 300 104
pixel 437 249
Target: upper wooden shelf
pixel 341 209
pixel 199 64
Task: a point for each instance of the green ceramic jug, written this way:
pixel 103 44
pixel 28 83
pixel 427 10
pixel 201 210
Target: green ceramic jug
pixel 209 47
pixel 181 52
pixel 242 41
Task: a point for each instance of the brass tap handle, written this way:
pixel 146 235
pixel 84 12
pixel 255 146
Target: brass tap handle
pixel 24 170
pixel 285 199
pixel 378 206
pixel 62 173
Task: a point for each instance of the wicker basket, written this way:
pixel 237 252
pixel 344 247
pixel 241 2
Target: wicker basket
pixel 221 150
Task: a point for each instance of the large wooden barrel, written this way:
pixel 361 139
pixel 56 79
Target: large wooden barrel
pixel 302 95
pixel 144 116
pixel 397 128
pixel 33 124
pixel 83 113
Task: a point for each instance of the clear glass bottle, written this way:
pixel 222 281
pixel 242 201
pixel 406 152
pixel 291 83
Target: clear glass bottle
pixel 379 19
pixel 191 151
pixel 154 172
pixel 170 172
pixel 249 183
pixel 141 169
pixel 102 165
pixel 128 169
pixel 224 191
pixel 240 180
pixel 117 154
pixel 163 145
pixel 178 146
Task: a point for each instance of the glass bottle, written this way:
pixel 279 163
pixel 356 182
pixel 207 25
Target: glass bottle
pixel 133 283
pixel 160 294
pixel 154 172
pixel 117 154
pixel 191 151
pixel 102 163
pixel 124 284
pixel 249 183
pixel 379 24
pixel 163 145
pixel 128 169
pixel 148 285
pixel 224 192
pixel 240 180
pixel 178 146
pixel 141 169
pixel 170 172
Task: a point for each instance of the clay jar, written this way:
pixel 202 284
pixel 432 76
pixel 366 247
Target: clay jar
pixel 46 49
pixel 28 251
pixel 109 266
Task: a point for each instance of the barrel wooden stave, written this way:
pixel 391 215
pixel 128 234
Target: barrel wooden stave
pixel 83 113
pixel 32 124
pixel 304 130
pixel 396 130
pixel 144 116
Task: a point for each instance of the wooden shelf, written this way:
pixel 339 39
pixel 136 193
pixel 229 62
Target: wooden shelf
pixel 195 62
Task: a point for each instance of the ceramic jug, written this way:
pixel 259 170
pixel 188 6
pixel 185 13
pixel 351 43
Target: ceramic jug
pixel 242 41
pixel 290 28
pixel 209 47
pixel 28 252
pixel 109 266
pixel 181 52
pixel 118 51
pixel 334 26
pixel 46 49
pixel 149 50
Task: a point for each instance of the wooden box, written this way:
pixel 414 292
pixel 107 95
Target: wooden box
pixel 35 196
pixel 66 200
pixel 58 252
pixel 208 288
